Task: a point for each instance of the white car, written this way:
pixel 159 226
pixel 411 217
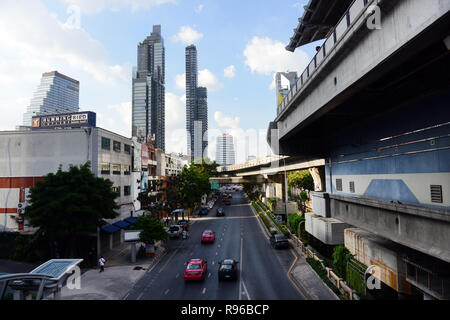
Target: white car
pixel 175 231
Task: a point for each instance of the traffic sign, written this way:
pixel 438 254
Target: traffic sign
pixel 279 219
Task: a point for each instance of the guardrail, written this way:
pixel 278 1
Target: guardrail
pixel 355 10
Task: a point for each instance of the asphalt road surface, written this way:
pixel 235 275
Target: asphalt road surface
pixel 263 271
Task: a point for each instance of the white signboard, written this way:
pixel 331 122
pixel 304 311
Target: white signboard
pixel 131 235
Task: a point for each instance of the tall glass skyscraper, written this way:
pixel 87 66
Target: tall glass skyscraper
pixel 196 109
pixel 148 103
pixel 225 154
pixel 56 94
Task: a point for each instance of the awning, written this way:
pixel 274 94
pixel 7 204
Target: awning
pixel 131 220
pixel 121 224
pixel 110 228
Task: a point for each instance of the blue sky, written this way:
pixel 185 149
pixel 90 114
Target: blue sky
pixel 247 36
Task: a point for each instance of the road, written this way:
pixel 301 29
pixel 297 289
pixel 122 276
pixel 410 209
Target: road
pixel 239 235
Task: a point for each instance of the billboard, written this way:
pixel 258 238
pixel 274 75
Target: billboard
pixel 144 156
pixel 67 120
pixel 137 162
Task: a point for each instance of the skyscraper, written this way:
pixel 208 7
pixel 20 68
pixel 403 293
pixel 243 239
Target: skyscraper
pixel 196 108
pixel 225 154
pixel 56 94
pixel 148 103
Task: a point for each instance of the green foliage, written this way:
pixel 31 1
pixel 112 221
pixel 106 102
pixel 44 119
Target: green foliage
pixel 294 220
pixel 341 256
pixel 262 215
pixel 320 270
pixel 69 203
pixel 354 276
pixel 272 204
pixel 304 196
pixel 152 229
pixel 301 179
pixel 251 190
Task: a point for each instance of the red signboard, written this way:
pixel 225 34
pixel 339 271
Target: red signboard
pixel 144 156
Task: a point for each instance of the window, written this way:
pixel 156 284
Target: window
pixel 126 169
pixel 339 184
pixel 127 148
pixel 116 146
pixel 106 143
pixel 116 190
pixel 116 168
pixel 126 190
pixel 352 186
pixel 105 168
pixel 436 193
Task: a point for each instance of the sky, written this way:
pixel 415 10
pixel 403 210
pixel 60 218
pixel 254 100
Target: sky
pixel 240 46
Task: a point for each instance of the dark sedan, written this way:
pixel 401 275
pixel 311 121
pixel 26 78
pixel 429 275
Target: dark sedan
pixel 228 269
pixel 279 241
pixel 220 212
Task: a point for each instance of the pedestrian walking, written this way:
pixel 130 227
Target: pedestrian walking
pixel 102 261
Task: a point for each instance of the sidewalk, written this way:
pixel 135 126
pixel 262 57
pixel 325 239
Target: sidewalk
pixel 118 278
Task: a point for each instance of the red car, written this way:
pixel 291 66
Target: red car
pixel 195 269
pixel 224 199
pixel 230 196
pixel 208 236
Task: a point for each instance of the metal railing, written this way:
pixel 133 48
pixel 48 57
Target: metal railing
pixel 321 56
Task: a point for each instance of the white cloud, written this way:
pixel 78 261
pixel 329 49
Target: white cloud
pixel 96 6
pixel 229 72
pixel 199 8
pixel 120 111
pixel 264 55
pixel 176 137
pixel 180 81
pixel 247 142
pixel 40 42
pixel 47 42
pixel 187 35
pixel 224 121
pixel 207 79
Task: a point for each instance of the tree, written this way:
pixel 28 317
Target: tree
pixel 341 256
pixel 152 229
pixel 301 179
pixel 70 203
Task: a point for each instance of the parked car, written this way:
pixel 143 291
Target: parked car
pixel 220 212
pixel 203 211
pixel 228 269
pixel 279 241
pixel 175 231
pixel 195 269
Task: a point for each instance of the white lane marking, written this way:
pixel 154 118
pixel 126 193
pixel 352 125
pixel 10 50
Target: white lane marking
pixel 168 260
pixel 167 291
pixel 140 296
pixel 177 275
pixel 213 263
pixel 240 271
pixel 204 291
pixel 218 246
pixel 209 275
pixel 217 253
pixel 246 291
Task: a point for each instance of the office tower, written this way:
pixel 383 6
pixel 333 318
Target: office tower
pixel 196 108
pixel 148 103
pixel 283 83
pixel 225 154
pixel 202 119
pixel 56 94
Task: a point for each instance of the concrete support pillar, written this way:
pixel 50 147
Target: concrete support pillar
pixel 318 175
pixel 133 252
pixel 110 241
pixel 121 235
